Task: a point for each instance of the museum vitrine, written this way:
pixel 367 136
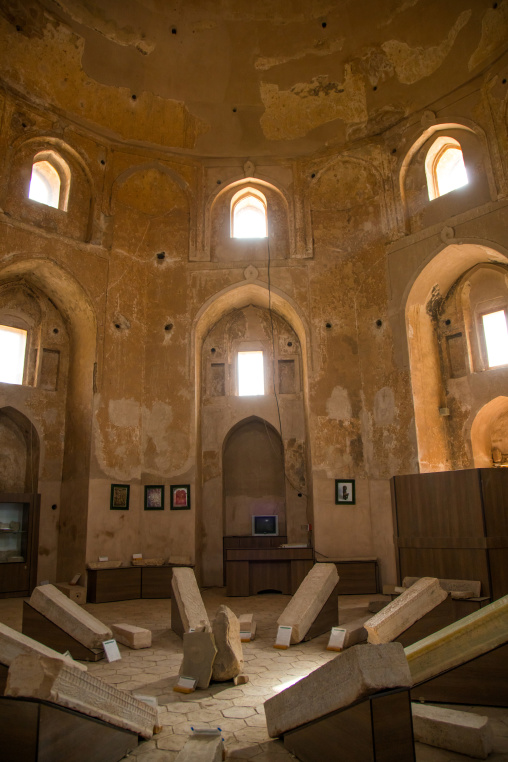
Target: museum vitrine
pixel 19 533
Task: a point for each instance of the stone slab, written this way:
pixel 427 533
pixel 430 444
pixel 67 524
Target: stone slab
pixel 229 660
pixel 202 748
pixel 103 564
pixel 199 654
pixel 309 599
pixel 40 677
pixel 13 644
pixel 462 595
pixel 148 561
pixel 375 606
pixel 76 593
pixel 351 676
pixel 451 585
pixel 462 732
pixel 188 599
pixel 405 610
pixel 459 642
pixel 69 616
pixel 132 636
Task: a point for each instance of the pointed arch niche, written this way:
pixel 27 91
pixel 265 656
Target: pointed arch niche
pixel 448 384
pixel 19 445
pixel 245 467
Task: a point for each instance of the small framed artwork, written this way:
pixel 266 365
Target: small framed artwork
pixel 119 497
pixel 345 492
pixel 180 497
pixel 154 497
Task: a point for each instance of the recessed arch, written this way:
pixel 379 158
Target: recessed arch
pixel 481 430
pixel 50 180
pixel 20 443
pixel 444 167
pixel 249 214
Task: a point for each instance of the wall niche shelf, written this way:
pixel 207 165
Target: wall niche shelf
pixel 19 543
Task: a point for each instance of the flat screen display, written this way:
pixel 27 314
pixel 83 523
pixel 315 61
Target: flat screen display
pixel 265 525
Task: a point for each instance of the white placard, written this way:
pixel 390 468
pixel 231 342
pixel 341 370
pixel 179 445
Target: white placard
pixel 137 555
pixel 185 684
pixel 337 637
pixel 283 638
pixel 44 582
pixel 75 579
pixel 245 636
pixel 206 731
pixel 111 650
pixel 103 558
pixel 68 654
pixel 150 700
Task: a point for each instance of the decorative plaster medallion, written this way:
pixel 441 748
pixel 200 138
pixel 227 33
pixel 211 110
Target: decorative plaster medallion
pixel 428 118
pixel 250 273
pixel 249 169
pixel 447 234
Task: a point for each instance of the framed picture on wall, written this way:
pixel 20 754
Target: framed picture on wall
pixel 345 492
pixel 119 500
pixel 180 497
pixel 154 497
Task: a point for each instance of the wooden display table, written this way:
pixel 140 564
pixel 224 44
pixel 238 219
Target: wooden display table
pixel 126 583
pixel 254 564
pixel 357 576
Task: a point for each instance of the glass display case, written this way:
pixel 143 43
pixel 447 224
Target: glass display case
pixel 19 542
pixel 13 532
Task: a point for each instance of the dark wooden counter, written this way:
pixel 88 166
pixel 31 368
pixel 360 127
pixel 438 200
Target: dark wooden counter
pixel 254 564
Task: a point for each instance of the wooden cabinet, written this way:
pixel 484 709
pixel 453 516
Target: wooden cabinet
pixel 19 543
pixel 453 525
pixel 126 583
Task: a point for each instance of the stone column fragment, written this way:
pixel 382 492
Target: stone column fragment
pixel 459 642
pixel 69 616
pixel 308 600
pixel 39 677
pixel 188 598
pixel 462 732
pixel 350 677
pixel 405 610
pixel 13 644
pixel 199 653
pixel 229 660
pixel 132 636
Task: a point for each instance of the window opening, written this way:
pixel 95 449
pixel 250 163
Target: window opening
pixel 248 215
pixel 12 354
pixel 45 184
pixel 251 380
pixel 444 167
pixel 495 330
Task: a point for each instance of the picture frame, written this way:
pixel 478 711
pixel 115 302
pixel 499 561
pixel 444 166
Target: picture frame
pixel 119 499
pixel 345 493
pixel 154 497
pixel 180 497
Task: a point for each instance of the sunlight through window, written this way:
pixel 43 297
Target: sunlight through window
pixel 450 171
pixel 45 184
pixel 248 215
pixel 496 338
pixel 251 379
pixel 12 354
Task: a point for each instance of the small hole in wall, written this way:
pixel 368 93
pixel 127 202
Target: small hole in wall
pixel 300 494
pixel 168 326
pixel 313 175
pixel 495 6
pixel 213 350
pixel 103 162
pixel 234 111
pixel 118 326
pixel 323 24
pixel 379 323
pixel 448 321
pixel 504 83
pixel 55 330
pixel 219 182
pixel 290 343
pixel 394 150
pixel 328 325
pixel 19 28
pixel 173 30
pixel 134 97
pixel 375 88
pixel 23 124
pixel 53 507
pixel 161 255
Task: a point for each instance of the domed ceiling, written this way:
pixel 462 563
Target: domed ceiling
pixel 238 78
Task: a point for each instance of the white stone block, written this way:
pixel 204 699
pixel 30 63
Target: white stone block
pixel 188 599
pixel 13 644
pixel 132 636
pixel 405 610
pixel 70 617
pixel 202 748
pixel 76 593
pixel 462 732
pixel 39 677
pixel 350 677
pixel 308 600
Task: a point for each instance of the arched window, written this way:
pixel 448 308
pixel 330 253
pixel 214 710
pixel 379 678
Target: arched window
pixel 12 352
pixel 50 181
pixel 444 167
pixel 248 214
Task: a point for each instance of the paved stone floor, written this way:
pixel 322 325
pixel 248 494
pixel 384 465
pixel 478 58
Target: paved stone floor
pixel 238 711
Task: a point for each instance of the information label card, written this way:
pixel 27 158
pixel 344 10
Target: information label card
pixel 336 642
pixel 185 684
pixel 283 638
pixel 111 650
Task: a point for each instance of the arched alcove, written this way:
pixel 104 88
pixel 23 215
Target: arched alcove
pixel 489 433
pixel 19 452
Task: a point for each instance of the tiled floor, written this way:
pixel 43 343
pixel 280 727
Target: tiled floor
pixel 238 711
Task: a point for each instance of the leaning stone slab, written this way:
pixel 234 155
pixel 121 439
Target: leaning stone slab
pixel 39 677
pixel 350 677
pixel 405 610
pixel 452 585
pixel 308 600
pixel 462 732
pixel 13 644
pixel 202 748
pixel 70 617
pixel 226 631
pixel 188 599
pixel 459 642
pixel 199 653
pixel 129 635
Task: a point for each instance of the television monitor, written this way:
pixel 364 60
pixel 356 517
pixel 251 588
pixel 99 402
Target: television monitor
pixel 265 525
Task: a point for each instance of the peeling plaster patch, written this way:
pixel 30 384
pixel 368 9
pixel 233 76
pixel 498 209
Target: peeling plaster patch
pixel 319 48
pixel 338 406
pixel 94 17
pixel 157 420
pixel 124 413
pixel 494 34
pixel 384 406
pixel 413 64
pixel 293 113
